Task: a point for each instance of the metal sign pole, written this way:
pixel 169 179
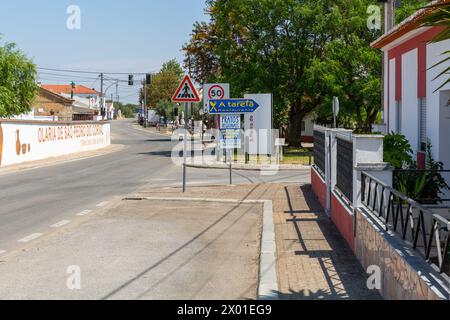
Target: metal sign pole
pixel 231 168
pixel 186 119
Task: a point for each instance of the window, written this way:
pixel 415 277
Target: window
pixel 399 117
pixel 423 140
pixel 303 126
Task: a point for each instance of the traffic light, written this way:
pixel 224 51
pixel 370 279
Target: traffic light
pixel 131 80
pixel 148 79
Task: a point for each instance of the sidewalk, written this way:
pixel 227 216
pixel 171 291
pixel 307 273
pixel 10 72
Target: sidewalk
pixel 313 260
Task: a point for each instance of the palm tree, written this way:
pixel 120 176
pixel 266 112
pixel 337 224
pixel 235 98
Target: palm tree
pixel 439 17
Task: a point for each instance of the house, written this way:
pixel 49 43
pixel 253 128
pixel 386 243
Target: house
pixel 51 106
pixel 110 110
pixel 80 93
pixel 413 105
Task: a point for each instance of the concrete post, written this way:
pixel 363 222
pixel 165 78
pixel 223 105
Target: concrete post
pixel 368 157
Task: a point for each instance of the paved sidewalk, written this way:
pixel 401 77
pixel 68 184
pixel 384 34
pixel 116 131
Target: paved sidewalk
pixel 313 260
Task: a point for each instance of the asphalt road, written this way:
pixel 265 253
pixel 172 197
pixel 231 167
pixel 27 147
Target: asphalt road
pixel 33 200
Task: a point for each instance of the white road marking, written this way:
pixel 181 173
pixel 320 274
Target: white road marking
pixel 31 237
pixel 102 204
pixel 2 252
pixel 84 213
pixel 60 224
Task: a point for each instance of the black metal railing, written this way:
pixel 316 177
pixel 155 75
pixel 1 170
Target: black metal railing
pixel 344 170
pixel 428 233
pixel 319 150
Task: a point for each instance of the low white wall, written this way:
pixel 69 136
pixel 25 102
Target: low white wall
pixel 23 141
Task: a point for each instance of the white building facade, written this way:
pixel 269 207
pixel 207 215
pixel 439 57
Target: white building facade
pixel 413 104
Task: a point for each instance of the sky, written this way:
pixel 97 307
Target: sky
pixel 114 36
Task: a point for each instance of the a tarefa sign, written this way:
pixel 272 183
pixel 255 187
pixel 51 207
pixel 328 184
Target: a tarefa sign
pixel 23 141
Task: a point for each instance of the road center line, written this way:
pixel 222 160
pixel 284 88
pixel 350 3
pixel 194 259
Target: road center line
pixel 31 237
pixel 84 213
pixel 60 224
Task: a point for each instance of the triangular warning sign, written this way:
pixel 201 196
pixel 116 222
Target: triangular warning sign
pixel 186 92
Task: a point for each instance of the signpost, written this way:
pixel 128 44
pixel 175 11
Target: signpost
pixel 230 137
pixel 214 91
pixel 335 110
pixel 186 93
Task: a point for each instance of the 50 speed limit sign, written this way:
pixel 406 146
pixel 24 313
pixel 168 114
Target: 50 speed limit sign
pixel 215 91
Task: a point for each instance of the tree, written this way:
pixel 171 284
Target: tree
pixel 18 86
pixel 201 59
pixel 128 110
pixel 303 51
pixel 164 83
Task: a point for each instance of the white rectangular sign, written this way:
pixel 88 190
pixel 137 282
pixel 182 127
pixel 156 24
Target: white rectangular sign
pixel 258 126
pixel 230 122
pixel 215 91
pixel 230 139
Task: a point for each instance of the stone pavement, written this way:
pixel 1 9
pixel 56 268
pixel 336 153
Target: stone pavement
pixel 313 260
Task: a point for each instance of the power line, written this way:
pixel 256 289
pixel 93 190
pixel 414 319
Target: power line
pixel 92 72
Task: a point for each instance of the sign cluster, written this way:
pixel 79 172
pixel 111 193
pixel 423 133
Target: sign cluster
pixel 217 102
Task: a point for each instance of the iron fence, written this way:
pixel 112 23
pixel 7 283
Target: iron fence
pixel 428 233
pixel 344 173
pixel 319 150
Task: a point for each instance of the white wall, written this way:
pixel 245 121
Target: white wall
pixel 410 102
pixel 434 55
pixel 23 141
pixel 309 125
pixel 392 102
pixel 386 88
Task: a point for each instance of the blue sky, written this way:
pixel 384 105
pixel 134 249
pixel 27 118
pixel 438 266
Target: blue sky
pixel 115 35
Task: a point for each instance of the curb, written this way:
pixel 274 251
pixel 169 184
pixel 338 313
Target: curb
pixel 250 168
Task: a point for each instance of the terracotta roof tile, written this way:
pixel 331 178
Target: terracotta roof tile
pixel 79 89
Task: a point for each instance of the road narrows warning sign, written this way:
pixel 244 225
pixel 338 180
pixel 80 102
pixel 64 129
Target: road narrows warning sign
pixel 186 92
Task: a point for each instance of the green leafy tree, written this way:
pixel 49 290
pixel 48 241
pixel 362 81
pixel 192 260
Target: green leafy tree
pixel 18 86
pixel 128 110
pixel 164 83
pixel 201 58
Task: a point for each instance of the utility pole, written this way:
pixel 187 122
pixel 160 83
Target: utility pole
pixel 388 24
pixel 145 104
pixel 102 105
pixel 117 91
